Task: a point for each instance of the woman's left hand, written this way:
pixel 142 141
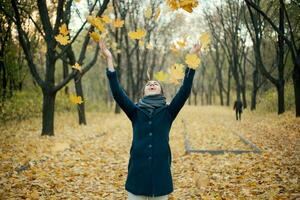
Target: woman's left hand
pixel 196 48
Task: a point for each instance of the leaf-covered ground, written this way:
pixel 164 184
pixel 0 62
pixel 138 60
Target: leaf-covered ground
pixel 90 162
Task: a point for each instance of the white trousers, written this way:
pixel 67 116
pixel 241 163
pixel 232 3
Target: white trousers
pixel 141 197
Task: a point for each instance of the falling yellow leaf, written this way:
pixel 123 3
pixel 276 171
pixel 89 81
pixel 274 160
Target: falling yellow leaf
pixel 137 35
pixel 205 39
pixel 77 67
pixel 76 99
pixel 96 22
pixel 157 13
pixel 161 76
pixel 176 71
pixel 95 36
pixel 148 12
pixel 149 46
pixel 77 1
pixel 61 39
pixel 63 30
pixel 192 60
pixel 173 48
pixel 187 5
pixel 118 23
pixel 181 43
pixel 106 19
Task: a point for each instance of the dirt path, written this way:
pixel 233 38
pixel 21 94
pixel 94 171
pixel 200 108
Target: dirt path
pixel 91 162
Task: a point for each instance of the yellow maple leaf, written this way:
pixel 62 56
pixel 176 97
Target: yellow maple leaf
pixel 118 23
pixel 205 39
pixel 76 99
pixel 61 39
pixel 161 76
pixel 181 43
pixel 176 71
pixel 157 13
pixel 96 22
pixel 95 36
pixel 148 12
pixel 77 67
pixel 173 48
pixel 186 5
pixel 106 19
pixel 63 29
pixel 173 4
pixel 137 35
pixel 192 60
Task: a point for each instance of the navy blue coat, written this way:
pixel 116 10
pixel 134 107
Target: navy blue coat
pixel 149 166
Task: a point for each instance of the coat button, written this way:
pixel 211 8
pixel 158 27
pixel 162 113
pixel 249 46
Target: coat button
pixel 149 157
pixel 150 122
pixel 150 133
pixel 150 145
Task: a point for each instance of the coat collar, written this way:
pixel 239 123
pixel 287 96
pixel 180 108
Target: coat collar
pixel 156 111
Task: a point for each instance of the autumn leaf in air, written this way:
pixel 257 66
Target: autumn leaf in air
pixel 181 43
pixel 61 39
pixel 205 40
pixel 157 14
pixel 96 22
pixel 63 29
pixel 176 71
pixel 137 35
pixel 161 76
pixel 173 48
pixel 95 36
pixel 148 12
pixel 118 23
pixel 186 5
pixel 106 19
pixel 76 99
pixel 192 60
pixel 77 67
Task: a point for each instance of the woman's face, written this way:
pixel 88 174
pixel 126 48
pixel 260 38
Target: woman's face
pixel 152 87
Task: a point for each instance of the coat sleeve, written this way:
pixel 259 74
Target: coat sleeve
pixel 119 94
pixel 183 93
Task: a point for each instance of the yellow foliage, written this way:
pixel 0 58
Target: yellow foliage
pixel 192 60
pixel 61 39
pixel 76 99
pixel 161 76
pixel 77 67
pixel 95 36
pixel 137 35
pixel 118 23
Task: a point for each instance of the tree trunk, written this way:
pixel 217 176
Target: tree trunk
pixel 296 82
pixel 48 112
pixel 81 107
pixel 254 89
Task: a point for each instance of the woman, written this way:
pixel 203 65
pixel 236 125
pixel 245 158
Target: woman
pixel 149 166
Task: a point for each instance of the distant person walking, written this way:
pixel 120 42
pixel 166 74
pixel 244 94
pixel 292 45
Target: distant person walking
pixel 238 107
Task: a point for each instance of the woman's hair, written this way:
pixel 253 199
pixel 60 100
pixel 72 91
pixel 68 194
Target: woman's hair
pixel 161 89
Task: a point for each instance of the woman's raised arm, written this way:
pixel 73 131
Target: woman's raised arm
pixel 117 91
pixel 183 93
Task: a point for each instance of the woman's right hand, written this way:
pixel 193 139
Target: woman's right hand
pixel 104 50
